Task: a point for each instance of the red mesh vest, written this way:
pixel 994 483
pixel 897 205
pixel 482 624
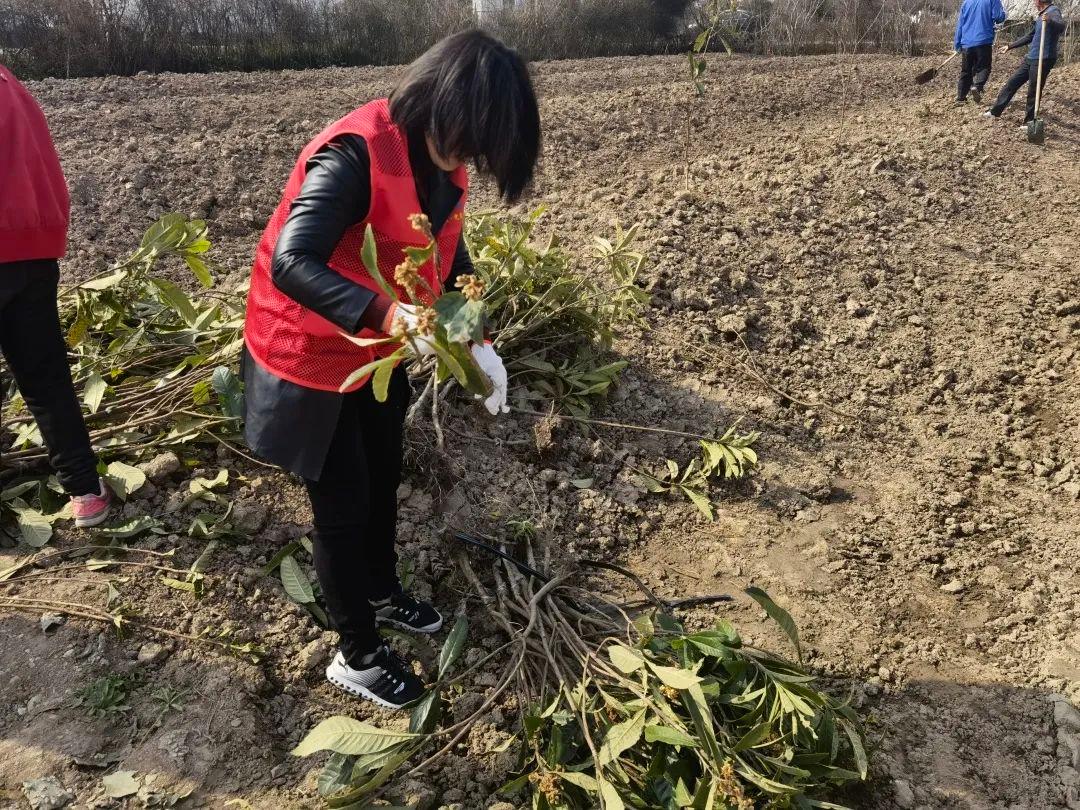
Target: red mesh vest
pixel 293 342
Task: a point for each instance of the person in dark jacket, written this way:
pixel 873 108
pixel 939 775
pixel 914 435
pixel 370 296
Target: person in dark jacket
pixel 975 29
pixel 469 98
pixel 1046 14
pixel 33 236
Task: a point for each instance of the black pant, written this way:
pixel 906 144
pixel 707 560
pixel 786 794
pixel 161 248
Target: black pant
pixel 975 69
pixel 355 507
pixel 33 345
pixel 1026 73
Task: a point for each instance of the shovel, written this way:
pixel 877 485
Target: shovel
pixel 928 75
pixel 1036 127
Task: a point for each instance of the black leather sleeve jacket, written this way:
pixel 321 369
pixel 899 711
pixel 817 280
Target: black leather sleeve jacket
pixel 336 195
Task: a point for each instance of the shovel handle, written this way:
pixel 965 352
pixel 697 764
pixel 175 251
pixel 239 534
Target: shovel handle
pixel 1039 69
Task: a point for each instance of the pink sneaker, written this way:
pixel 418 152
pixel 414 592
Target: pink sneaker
pixel 91 510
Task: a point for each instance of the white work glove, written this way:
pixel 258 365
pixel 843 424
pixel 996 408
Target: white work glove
pixel 424 347
pixel 492 365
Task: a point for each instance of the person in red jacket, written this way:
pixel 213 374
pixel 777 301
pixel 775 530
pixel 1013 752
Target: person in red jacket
pixel 468 99
pixel 33 236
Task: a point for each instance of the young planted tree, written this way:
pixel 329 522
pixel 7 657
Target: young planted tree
pixel 712 27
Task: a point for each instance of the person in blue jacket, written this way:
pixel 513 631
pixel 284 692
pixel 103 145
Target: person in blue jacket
pixel 975 38
pixel 1046 13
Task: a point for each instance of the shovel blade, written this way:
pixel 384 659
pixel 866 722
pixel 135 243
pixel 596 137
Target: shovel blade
pixel 926 76
pixel 1036 131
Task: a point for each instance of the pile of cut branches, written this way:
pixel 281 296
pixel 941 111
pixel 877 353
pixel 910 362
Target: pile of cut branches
pixel 155 367
pixel 553 322
pixel 619 709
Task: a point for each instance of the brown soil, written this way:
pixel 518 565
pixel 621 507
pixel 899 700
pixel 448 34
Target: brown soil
pixel 855 239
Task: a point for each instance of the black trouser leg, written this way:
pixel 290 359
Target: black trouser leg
pixel 967 67
pixel 1012 84
pixel 982 62
pixel 384 448
pixel 354 503
pixel 33 345
pixel 1047 66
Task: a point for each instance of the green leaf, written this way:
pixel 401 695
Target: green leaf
pixel 380 383
pixel 230 392
pixel 336 774
pixel 18 490
pixel 175 298
pixel 779 615
pixel 620 737
pixel 282 553
pixel 420 255
pixel 462 319
pixel 369 255
pixel 476 382
pixel 120 784
pixel 754 737
pixel 200 392
pixel 199 268
pixel 513 786
pixel 626 659
pixel 200 485
pixel 105 282
pixel 858 749
pixel 203 560
pixel 124 479
pixel 347 736
pixel 296 583
pixel 180 585
pixel 444 351
pixel 609 796
pixel 716 643
pixel 581 780
pixel 94 391
pixel 650 484
pixel 35 528
pixel 669 736
pixel 365 370
pixel 698 708
pixel 426 714
pixel 700 41
pixel 699 500
pixel 373 762
pixel 674 677
pixel 166 232
pixel 129 528
pixel 454 645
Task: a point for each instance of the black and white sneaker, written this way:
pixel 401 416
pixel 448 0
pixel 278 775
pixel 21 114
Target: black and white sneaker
pixel 976 95
pixel 385 679
pixel 407 613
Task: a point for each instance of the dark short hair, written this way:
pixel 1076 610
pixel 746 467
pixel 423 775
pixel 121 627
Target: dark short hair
pixel 475 98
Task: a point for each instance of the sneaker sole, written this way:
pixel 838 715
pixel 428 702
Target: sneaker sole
pixel 362 692
pixel 427 630
pixel 93 520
